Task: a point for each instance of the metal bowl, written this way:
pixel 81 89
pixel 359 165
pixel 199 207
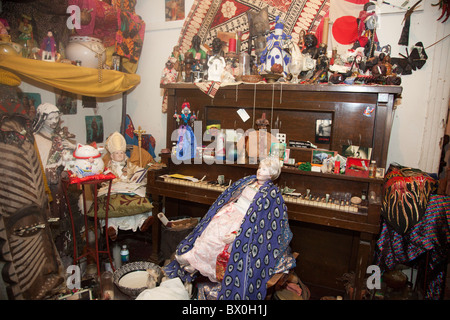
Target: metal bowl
pixel 132 267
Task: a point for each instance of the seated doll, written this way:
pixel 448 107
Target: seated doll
pixel 124 170
pixel 248 225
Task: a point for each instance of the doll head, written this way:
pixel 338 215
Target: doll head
pixel 269 169
pixel 116 146
pixel 47 118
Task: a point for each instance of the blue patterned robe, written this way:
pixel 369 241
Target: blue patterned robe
pixel 262 241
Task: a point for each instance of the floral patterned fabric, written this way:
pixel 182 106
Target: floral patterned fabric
pixel 121 205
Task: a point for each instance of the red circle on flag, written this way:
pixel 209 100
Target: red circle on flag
pixel 345 30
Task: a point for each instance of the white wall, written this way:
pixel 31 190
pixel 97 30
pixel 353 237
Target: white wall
pixel 419 119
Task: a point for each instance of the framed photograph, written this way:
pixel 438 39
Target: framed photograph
pixel 30 102
pixel 89 102
pixel 380 173
pixel 356 152
pixel 323 130
pixel 94 129
pixel 318 156
pixel 174 10
pixel 169 14
pixel 66 102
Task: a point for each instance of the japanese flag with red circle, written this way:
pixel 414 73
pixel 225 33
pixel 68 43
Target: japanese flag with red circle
pixel 344 27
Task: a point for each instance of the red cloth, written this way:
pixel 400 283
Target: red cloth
pixel 98 177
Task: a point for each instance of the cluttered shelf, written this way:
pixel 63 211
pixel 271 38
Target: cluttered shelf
pixel 291 169
pixel 354 88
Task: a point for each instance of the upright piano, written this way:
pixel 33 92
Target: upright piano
pixel 332 236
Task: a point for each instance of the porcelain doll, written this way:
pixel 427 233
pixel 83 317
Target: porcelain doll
pixel 186 142
pixel 48 47
pixel 248 217
pixel 124 170
pixel 119 163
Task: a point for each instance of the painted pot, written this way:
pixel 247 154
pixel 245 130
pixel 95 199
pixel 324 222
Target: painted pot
pixel 87 50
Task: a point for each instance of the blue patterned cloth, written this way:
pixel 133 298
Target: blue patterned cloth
pixel 262 241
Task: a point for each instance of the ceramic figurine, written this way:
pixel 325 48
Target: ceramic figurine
pixel 216 63
pixel 26 35
pixel 48 47
pixel 274 52
pixel 88 161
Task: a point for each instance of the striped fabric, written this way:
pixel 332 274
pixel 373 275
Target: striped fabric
pixel 430 235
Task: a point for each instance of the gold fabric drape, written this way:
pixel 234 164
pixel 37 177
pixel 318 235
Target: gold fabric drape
pixel 79 80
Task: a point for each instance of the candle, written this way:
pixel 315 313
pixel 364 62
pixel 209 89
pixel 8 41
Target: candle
pixel 232 45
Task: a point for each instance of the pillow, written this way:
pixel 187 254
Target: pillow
pixel 121 205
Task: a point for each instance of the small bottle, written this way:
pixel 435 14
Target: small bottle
pixel 124 254
pixel 372 169
pixel 244 64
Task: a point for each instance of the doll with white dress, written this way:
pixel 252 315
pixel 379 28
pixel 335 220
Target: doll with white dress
pixel 124 170
pixel 248 223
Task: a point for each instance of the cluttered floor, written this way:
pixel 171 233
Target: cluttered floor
pixel 140 250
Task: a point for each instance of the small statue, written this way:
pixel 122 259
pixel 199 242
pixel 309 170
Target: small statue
pixel 26 35
pixel 322 64
pixel 258 28
pixel 274 52
pixel 388 65
pixel 217 47
pixel 188 62
pixel 197 52
pixel 169 74
pixel 178 66
pixel 186 116
pixel 311 46
pixel 367 23
pixel 216 63
pixel 380 68
pixel 186 143
pixel 48 47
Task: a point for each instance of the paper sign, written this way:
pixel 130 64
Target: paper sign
pixel 243 114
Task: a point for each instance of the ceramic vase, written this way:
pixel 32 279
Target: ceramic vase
pixel 87 50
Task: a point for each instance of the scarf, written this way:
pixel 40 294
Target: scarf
pixel 261 241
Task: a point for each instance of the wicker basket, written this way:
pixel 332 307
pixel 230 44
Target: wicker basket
pixel 132 267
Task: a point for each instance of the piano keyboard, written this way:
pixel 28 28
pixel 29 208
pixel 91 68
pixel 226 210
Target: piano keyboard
pixel 307 199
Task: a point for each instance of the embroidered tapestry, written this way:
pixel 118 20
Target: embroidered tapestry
pixel 208 17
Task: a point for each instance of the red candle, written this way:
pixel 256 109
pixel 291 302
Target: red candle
pixel 232 45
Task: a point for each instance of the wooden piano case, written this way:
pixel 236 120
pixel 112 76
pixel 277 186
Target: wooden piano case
pixel 330 240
